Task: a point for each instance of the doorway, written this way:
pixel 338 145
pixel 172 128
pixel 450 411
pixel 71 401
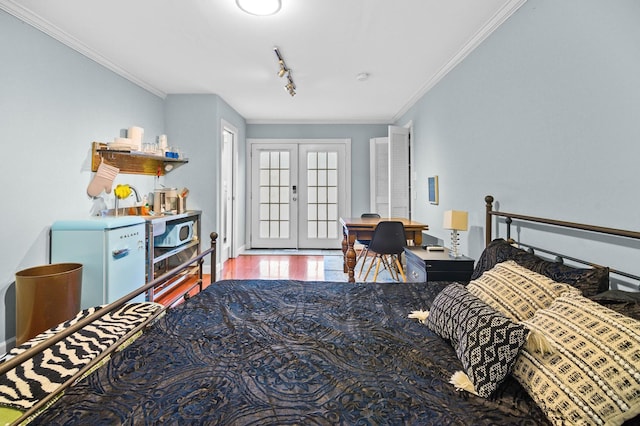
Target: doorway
pixel 391 181
pixel 227 209
pixel 299 190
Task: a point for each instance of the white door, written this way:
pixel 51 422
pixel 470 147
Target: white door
pixel 390 173
pixel 299 191
pixel 226 234
pixel 399 179
pixel 322 195
pixel 379 167
pixel 274 207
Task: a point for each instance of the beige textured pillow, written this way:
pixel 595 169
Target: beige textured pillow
pixel 593 374
pixel 516 291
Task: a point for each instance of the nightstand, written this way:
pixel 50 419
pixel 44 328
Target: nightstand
pixel 424 266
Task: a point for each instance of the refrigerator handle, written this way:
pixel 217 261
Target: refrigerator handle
pixel 119 254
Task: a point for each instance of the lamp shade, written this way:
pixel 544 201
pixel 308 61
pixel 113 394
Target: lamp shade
pixel 456 219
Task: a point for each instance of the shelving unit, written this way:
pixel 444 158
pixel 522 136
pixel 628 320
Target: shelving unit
pixel 160 260
pixel 133 162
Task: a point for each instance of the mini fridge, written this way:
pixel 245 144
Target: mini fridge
pixel 111 250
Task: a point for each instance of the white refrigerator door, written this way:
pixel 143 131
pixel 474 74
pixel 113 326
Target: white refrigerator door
pixel 125 262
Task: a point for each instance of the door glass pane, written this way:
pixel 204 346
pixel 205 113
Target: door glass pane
pixel 312 229
pixel 322 178
pixel 332 195
pixel 312 195
pixel 284 177
pixel 332 161
pixel 322 160
pixel 312 212
pixel 274 194
pixel 322 190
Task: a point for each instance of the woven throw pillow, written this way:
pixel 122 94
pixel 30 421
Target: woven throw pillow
pixel 589 281
pixel 593 375
pixel 485 341
pixel 516 291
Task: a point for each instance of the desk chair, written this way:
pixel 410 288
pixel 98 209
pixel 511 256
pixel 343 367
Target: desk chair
pixel 365 251
pixel 388 243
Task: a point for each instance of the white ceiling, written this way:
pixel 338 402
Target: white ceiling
pixel 211 47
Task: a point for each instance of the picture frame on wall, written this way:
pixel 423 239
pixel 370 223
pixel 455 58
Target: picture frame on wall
pixel 433 189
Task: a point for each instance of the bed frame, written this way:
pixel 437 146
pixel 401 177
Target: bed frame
pixel 491 215
pixel 508 219
pixel 19 359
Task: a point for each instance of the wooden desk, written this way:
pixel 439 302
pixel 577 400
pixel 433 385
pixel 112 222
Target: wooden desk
pixel 357 228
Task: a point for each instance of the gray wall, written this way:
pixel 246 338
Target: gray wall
pixel 544 116
pixel 194 123
pixel 53 103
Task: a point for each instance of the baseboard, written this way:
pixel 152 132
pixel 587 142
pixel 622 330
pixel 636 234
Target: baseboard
pixel 6 346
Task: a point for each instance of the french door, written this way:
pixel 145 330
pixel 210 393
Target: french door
pixel 299 190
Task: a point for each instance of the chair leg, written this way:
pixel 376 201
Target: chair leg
pixel 388 266
pixel 369 269
pixel 364 260
pixel 375 275
pixel 399 265
pixel 360 255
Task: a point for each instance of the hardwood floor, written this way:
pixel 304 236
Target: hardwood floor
pixel 298 267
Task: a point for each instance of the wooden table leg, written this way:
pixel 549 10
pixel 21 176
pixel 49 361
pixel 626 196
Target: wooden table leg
pixel 417 238
pixel 345 246
pixel 349 259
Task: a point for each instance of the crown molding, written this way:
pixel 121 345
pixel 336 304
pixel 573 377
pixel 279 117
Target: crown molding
pixel 27 16
pixel 498 19
pixel 318 121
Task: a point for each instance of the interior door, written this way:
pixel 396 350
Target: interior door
pixel 379 172
pixel 399 179
pixel 274 207
pixel 389 170
pixel 226 234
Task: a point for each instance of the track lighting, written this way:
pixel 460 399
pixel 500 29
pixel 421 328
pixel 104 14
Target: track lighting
pixel 290 87
pixel 283 69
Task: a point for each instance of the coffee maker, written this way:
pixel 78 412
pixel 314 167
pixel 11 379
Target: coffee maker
pixel 165 200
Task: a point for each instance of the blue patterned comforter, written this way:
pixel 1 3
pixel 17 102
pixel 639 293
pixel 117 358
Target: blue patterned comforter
pixel 289 352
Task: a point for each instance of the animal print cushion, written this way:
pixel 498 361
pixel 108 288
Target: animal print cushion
pixel 593 374
pixel 485 341
pixel 516 291
pixel 28 383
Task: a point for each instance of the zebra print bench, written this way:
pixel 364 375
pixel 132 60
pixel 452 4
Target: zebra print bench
pixel 30 382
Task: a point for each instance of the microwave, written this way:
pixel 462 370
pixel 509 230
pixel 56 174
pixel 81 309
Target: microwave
pixel 176 234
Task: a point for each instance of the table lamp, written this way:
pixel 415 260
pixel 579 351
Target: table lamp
pixel 456 220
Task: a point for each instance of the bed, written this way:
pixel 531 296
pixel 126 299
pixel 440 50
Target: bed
pixel 294 352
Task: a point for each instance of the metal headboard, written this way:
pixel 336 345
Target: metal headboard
pixel 509 217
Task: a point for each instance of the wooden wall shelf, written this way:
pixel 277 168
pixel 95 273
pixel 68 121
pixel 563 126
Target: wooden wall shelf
pixel 133 162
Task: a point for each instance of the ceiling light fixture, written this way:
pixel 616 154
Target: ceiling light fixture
pixel 259 7
pixel 363 76
pixel 284 70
